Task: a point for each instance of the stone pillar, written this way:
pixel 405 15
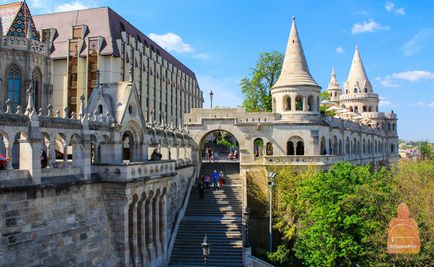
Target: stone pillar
pixel 145 155
pixel 30 158
pixel 163 222
pixel 9 154
pixel 141 237
pixel 164 150
pixel 132 232
pixel 156 226
pixel 65 155
pixel 149 228
pixel 52 153
pixel 304 103
pixel 86 159
pixel 293 108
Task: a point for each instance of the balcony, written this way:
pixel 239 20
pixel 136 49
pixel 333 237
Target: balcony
pixel 135 170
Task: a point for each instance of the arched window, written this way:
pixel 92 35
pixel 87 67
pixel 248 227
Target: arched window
pixel 269 149
pixel 356 109
pixel 36 87
pixel 323 150
pixel 258 146
pixel 127 145
pixel 364 108
pixel 340 147
pixel 350 108
pixel 392 148
pixel 370 109
pixel 310 103
pixel 287 103
pixel 289 148
pixel 393 126
pixel 100 109
pixel 388 126
pixel 299 103
pixel 355 90
pixel 364 146
pixel 14 85
pixel 335 146
pixel 366 90
pixel 300 148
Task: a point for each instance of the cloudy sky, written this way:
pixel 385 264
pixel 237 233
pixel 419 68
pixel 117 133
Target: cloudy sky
pixel 220 40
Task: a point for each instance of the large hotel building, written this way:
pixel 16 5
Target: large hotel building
pixel 85 41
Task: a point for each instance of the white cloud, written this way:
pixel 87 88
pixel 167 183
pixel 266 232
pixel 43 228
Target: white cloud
pixel 340 50
pixel 414 75
pixel 421 104
pixel 410 76
pixel 226 90
pixel 418 42
pixel 172 42
pixel 390 7
pixel 74 5
pixel 368 26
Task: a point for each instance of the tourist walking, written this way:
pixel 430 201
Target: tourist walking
pixel 201 187
pixel 207 181
pixel 215 179
pixel 222 177
pixel 220 182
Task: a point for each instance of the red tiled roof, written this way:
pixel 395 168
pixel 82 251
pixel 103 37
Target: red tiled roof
pixel 103 22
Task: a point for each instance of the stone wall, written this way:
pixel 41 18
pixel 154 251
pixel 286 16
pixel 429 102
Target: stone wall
pixel 68 222
pixel 60 225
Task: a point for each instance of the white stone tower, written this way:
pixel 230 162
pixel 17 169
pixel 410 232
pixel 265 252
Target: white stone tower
pixel 295 94
pixel 358 94
pixel 334 89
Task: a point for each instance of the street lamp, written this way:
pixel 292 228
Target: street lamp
pixel 205 250
pixel 211 95
pixel 271 176
pixel 246 225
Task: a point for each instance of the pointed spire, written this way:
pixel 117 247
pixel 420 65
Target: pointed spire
pixel 357 71
pixel 333 81
pixel 294 70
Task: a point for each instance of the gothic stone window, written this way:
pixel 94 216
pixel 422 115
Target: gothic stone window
pixel 36 86
pixel 14 85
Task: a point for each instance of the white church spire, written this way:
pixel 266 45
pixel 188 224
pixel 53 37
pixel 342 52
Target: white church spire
pixel 294 70
pixel 357 71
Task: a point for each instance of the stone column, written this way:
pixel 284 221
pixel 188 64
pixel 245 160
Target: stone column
pixel 9 154
pixel 163 223
pixel 86 159
pixel 141 237
pixel 155 225
pixel 293 108
pixel 133 232
pixel 52 155
pixel 304 103
pixel 145 155
pixel 150 228
pixel 65 155
pixel 30 158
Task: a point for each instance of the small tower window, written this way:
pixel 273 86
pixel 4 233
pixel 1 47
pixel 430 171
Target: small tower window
pixel 366 90
pixel 100 109
pixel 355 90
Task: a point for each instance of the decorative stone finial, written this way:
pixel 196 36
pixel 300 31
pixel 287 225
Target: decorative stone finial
pixel 65 112
pixel 81 106
pixel 19 112
pixel 30 105
pixel 50 111
pixel 8 105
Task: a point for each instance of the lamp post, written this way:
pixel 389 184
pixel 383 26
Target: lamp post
pixel 205 250
pixel 271 176
pixel 246 225
pixel 211 95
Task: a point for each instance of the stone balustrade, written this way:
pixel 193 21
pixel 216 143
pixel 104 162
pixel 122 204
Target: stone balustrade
pixel 21 43
pixel 358 96
pixel 135 170
pixel 322 160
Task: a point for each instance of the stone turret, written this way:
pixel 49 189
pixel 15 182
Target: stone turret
pixel 358 96
pixel 334 89
pixel 296 93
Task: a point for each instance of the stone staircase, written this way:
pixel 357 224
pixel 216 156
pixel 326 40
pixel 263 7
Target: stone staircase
pixel 218 216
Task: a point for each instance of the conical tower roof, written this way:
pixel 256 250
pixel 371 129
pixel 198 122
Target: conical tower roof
pixel 333 84
pixel 295 71
pixel 357 71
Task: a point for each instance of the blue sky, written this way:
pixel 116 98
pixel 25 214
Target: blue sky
pixel 220 40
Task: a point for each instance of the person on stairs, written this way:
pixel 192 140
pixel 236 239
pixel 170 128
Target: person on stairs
pixel 201 187
pixel 207 181
pixel 215 179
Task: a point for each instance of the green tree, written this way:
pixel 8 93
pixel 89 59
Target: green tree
pixel 323 108
pixel 257 87
pixel 426 150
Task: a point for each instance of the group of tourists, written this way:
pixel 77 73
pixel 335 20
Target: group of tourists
pixel 209 154
pixel 204 182
pixel 233 155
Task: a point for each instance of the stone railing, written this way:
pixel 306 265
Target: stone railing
pixel 320 159
pixel 21 43
pixel 357 96
pixel 135 170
